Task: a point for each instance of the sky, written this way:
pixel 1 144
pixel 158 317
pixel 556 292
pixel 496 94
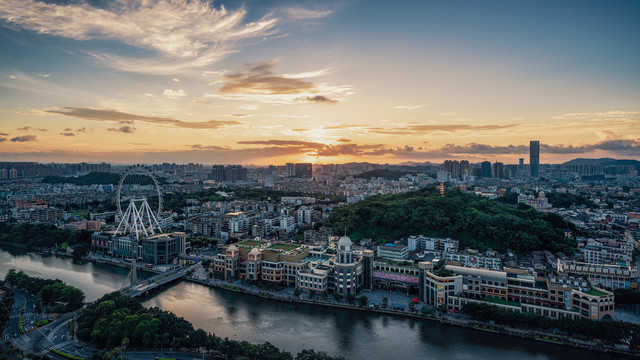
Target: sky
pixel 268 82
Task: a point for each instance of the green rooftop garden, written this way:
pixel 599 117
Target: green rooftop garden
pixel 595 292
pixel 285 247
pixel 251 243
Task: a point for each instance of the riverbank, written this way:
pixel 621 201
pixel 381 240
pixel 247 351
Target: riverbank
pixel 296 326
pixel 456 320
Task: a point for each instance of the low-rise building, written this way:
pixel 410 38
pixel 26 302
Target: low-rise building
pixel 393 252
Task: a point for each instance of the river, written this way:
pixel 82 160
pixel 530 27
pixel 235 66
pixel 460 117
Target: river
pixel 354 334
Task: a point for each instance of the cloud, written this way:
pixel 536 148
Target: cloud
pixel 4 134
pixel 24 138
pixel 174 94
pixel 405 107
pixel 299 13
pixel 258 82
pixel 613 114
pixel 3 139
pixel 124 129
pixel 28 128
pixel 185 35
pixel 208 147
pixel 122 117
pixel 316 99
pixel 300 130
pixel 71 132
pixel 620 146
pixel 45 75
pixel 418 129
pixel 308 144
pixel 344 140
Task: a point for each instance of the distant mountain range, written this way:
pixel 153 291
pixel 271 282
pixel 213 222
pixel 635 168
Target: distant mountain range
pixel 603 161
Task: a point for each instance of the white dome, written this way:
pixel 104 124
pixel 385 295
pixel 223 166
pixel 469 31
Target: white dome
pixel 344 241
pixel 254 251
pixel 232 247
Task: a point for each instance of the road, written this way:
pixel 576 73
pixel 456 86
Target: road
pixel 55 335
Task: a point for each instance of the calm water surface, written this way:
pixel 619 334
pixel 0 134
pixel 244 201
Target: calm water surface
pixel 354 334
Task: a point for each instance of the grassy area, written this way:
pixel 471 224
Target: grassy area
pixel 42 322
pixel 81 213
pixel 20 328
pixel 500 301
pixel 595 292
pixel 285 247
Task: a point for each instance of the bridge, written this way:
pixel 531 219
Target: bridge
pixel 147 285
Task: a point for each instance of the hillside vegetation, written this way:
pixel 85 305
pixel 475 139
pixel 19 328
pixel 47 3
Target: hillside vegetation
pixel 100 178
pixel 475 221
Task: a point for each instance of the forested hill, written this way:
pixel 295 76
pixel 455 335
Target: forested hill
pixel 91 178
pixel 475 221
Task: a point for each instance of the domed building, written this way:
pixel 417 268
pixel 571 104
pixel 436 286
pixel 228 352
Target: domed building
pixel 345 269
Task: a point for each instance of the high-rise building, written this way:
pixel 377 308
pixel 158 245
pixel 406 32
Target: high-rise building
pixel 498 170
pixel 291 170
pixel 534 158
pixel 485 167
pixel 231 173
pixel 304 170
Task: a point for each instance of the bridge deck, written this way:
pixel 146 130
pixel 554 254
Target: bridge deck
pixel 153 282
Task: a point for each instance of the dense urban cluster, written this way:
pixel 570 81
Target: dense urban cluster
pixel 548 240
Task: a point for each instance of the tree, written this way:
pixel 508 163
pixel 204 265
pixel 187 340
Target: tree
pixel 385 303
pixel 412 307
pixel 363 300
pixel 350 298
pixel 325 295
pixel 296 292
pixel 337 296
pixel 123 346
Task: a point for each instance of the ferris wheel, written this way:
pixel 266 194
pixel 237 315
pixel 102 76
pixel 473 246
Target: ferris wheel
pixel 138 190
pixel 137 182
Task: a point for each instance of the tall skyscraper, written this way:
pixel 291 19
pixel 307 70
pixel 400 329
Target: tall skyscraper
pixel 485 167
pixel 534 158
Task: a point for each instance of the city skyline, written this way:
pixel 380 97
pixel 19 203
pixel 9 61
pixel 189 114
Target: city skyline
pixel 270 83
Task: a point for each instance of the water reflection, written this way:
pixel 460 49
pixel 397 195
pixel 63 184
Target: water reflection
pixel 293 326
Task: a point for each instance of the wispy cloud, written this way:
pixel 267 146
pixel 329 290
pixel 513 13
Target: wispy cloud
pixel 407 107
pixel 418 129
pixel 614 114
pixel 186 34
pixel 124 129
pixel 44 75
pixel 29 128
pixel 259 82
pixel 114 115
pixel 174 94
pixel 299 13
pixel 71 132
pixel 24 138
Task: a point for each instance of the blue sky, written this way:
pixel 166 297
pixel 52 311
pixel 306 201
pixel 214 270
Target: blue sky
pixel 328 82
